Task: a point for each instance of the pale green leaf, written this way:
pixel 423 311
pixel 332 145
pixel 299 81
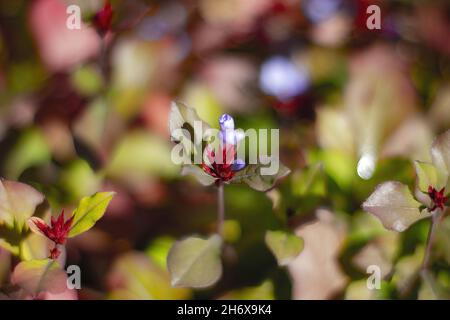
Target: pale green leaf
pixel 284 246
pixel 393 204
pixel 195 262
pixel 179 116
pixel 428 175
pixel 89 211
pixel 187 129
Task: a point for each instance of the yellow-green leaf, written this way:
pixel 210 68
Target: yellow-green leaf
pixel 284 246
pixel 428 175
pixel 89 211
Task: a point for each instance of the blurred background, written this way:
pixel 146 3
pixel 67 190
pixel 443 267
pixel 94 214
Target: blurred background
pixel 81 113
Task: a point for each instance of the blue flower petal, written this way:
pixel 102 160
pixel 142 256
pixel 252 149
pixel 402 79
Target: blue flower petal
pixel 238 164
pixel 226 122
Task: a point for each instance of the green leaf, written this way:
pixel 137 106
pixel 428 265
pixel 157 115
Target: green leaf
pixel 284 246
pixel 264 291
pixel 139 155
pixel 393 204
pixel 89 211
pixel 195 262
pixel 309 181
pixel 428 175
pixel 87 80
pixel 253 175
pixel 36 276
pixel 79 180
pixel 30 149
pixel 18 202
pixel 440 154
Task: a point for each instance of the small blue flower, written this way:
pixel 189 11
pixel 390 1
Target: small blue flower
pixel 229 139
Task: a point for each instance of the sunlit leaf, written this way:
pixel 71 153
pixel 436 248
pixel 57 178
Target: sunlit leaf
pixel 89 211
pixel 428 175
pixel 195 262
pixel 393 203
pixel 284 246
pixel 36 276
pixel 18 202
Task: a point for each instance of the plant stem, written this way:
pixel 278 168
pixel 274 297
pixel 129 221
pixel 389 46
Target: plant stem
pixel 102 58
pixel 220 209
pixel 435 219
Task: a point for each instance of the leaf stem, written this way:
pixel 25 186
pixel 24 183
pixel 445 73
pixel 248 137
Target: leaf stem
pixel 435 219
pixel 220 208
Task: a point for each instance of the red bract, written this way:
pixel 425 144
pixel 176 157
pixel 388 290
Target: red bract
pixel 103 19
pixel 438 197
pixel 220 167
pixel 57 231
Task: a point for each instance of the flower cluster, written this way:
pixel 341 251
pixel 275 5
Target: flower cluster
pixel 222 163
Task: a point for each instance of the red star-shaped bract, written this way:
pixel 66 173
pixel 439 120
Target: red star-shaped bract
pixel 103 18
pixel 438 197
pixel 220 168
pixel 57 231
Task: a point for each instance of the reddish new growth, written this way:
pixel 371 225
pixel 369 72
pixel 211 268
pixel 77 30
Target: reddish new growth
pixel 220 168
pixel 438 197
pixel 56 232
pixel 103 19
